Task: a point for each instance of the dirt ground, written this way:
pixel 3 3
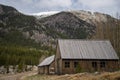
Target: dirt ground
pixel 79 76
pixel 18 76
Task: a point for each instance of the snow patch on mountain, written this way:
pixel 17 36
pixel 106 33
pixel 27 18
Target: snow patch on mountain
pixel 90 17
pixel 45 14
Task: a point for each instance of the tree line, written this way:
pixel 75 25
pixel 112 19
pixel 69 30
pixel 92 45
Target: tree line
pixel 22 56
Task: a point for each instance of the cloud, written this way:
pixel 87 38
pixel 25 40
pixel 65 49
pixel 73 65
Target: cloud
pixel 54 3
pixel 104 6
pixel 34 6
pixel 27 1
pixel 98 3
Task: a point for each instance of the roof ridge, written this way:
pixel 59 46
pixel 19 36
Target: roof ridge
pixel 87 39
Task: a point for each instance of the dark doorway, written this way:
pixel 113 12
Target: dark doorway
pixel 94 65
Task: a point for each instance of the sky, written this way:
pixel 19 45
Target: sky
pixel 35 6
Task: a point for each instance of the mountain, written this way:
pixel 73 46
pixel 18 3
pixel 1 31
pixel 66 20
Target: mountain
pixel 107 27
pixel 67 24
pixel 19 29
pixel 91 17
pixel 7 9
pixel 15 26
pixel 22 35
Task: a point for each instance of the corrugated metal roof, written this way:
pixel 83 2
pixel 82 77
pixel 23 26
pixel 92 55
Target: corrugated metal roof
pixel 86 49
pixel 47 61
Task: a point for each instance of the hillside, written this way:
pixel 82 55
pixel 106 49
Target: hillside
pixel 107 27
pixel 67 25
pixel 19 29
pixel 25 39
pixel 94 25
pixel 14 26
pixel 22 34
pixel 17 46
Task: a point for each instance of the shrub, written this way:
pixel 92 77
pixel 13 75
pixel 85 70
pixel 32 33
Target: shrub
pixel 78 69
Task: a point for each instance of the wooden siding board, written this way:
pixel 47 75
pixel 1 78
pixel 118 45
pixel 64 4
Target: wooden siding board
pixel 86 66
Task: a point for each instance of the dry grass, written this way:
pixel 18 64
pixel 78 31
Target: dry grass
pixel 18 76
pixel 79 76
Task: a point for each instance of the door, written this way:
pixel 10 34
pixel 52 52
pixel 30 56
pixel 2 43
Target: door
pixel 95 66
pixel 58 66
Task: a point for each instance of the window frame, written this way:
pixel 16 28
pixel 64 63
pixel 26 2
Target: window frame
pixel 76 63
pixel 102 64
pixel 67 64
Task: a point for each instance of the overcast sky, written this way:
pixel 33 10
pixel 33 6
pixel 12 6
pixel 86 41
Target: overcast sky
pixel 35 6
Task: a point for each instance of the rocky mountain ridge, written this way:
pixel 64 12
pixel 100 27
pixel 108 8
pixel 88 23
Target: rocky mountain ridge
pixel 67 24
pixel 41 31
pixel 17 28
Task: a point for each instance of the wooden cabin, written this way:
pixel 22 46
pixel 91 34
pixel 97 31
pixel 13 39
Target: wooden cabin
pixel 47 66
pixel 74 56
